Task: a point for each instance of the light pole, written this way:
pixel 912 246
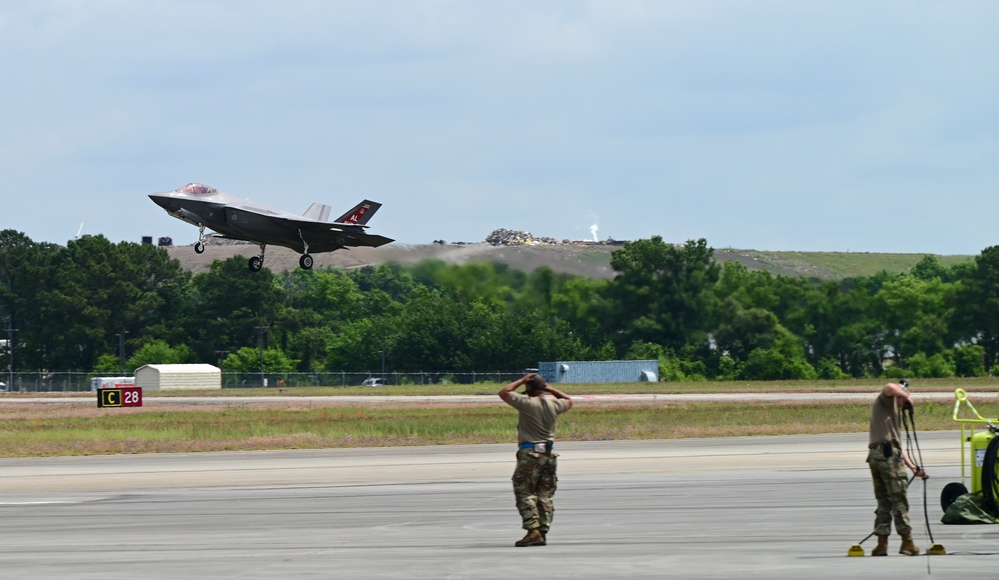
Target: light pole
pixel 260 341
pixel 121 351
pixel 221 354
pixel 10 353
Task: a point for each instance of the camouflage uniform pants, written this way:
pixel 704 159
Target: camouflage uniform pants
pixel 890 484
pixel 534 483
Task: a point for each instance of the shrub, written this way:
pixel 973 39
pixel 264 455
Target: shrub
pixel 936 366
pixel 828 368
pixel 969 361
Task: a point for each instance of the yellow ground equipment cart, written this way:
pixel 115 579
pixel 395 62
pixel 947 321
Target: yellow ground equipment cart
pixel 979 451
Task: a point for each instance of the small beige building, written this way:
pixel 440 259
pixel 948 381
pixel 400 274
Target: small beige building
pixel 178 377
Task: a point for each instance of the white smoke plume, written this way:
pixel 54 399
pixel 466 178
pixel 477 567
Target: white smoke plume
pixel 593 230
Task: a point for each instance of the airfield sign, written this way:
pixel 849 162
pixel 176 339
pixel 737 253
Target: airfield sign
pixel 119 397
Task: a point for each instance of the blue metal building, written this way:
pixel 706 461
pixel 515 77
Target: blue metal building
pixel 605 371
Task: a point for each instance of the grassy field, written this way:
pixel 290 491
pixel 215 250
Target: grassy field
pixel 983 384
pixel 839 265
pixel 44 429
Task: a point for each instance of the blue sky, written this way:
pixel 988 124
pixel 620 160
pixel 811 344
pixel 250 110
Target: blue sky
pixel 771 125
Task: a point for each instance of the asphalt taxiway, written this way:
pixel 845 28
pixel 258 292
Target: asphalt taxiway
pixel 753 507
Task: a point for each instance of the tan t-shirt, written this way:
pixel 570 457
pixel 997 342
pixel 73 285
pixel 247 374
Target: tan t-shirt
pixel 884 420
pixel 538 416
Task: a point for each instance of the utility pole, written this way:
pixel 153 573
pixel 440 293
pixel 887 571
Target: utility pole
pixel 121 351
pixel 260 341
pixel 381 353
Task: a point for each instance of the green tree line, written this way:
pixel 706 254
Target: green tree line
pixel 73 306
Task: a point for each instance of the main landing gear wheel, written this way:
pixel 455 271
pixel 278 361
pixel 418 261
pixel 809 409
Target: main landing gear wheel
pixel 305 262
pixel 199 248
pixel 256 263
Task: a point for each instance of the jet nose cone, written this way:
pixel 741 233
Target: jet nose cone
pixel 161 199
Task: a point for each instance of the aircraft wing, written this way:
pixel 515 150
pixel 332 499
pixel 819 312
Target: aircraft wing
pixel 307 225
pixel 290 231
pixel 355 219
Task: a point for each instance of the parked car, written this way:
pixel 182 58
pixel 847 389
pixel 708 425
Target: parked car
pixel 374 382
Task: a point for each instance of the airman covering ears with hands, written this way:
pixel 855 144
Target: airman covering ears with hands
pixel 535 479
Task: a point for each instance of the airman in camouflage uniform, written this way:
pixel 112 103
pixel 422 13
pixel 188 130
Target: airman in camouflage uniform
pixel 534 485
pixel 888 461
pixel 535 478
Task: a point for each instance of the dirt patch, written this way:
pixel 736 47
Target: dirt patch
pixel 591 261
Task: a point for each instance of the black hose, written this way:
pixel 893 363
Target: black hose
pixel 872 533
pixel 919 454
pixel 989 478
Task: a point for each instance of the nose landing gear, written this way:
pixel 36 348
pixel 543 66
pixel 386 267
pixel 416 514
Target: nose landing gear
pixel 199 247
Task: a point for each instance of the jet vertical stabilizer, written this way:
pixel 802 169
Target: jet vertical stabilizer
pixel 359 214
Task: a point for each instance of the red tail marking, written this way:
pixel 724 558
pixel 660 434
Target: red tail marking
pixel 357 215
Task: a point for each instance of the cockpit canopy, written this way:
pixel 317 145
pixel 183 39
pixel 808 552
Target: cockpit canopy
pixel 197 188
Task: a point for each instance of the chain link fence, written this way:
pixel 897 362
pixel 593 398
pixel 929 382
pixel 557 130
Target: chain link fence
pixel 55 382
pixel 46 382
pixel 353 379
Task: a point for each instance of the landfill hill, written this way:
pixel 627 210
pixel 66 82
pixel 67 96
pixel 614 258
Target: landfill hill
pixel 522 251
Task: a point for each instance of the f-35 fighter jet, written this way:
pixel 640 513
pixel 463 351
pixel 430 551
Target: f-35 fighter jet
pixel 237 218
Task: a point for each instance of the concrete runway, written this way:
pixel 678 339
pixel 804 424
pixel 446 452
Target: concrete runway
pixel 754 507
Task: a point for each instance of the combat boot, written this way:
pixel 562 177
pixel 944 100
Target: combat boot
pixel 908 548
pixel 533 538
pixel 882 548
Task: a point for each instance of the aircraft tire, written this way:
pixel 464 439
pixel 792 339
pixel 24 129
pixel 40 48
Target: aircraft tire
pixel 199 248
pixel 306 262
pixel 256 264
